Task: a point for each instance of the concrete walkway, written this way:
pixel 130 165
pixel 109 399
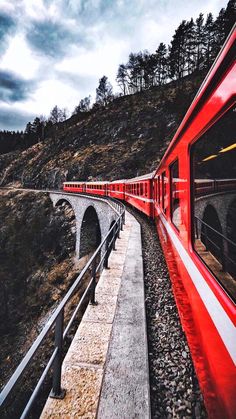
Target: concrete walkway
pixel 105 372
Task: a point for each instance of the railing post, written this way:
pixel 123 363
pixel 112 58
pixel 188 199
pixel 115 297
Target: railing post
pixel 121 223
pixel 107 254
pixel 118 226
pixel 93 285
pixel 114 238
pixel 196 227
pixel 57 392
pixel 223 264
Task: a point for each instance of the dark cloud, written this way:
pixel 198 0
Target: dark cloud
pixel 7 28
pixel 52 38
pixel 13 88
pixel 14 120
pixel 77 80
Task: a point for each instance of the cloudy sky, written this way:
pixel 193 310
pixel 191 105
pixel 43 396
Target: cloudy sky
pixel 53 52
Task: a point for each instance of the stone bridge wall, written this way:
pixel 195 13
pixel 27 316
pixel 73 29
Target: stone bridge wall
pixel 106 213
pixel 221 203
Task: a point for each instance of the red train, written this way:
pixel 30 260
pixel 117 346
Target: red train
pixel 192 197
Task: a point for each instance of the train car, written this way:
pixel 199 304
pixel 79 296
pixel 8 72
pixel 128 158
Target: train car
pixel 97 188
pixel 74 186
pixel 198 230
pixel 139 193
pixel 117 189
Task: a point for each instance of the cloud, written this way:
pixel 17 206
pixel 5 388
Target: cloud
pixel 13 119
pixel 7 28
pixel 13 88
pixel 52 38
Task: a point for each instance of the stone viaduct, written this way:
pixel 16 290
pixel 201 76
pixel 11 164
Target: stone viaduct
pixel 98 212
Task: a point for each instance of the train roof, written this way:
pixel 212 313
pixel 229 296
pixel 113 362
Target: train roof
pixel 143 177
pixel 97 182
pixel 72 182
pixel 225 57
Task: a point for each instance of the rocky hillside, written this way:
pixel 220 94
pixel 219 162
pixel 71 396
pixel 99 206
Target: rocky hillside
pixel 125 139
pixel 37 244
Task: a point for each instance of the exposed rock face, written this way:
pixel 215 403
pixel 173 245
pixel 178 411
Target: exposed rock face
pixel 125 139
pixel 37 243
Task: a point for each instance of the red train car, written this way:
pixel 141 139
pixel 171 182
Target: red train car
pixel 198 230
pixel 117 189
pixel 98 188
pixel 74 186
pixel 139 193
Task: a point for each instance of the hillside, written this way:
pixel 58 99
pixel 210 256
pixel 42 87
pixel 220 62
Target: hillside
pixel 125 139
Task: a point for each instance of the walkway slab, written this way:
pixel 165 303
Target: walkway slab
pixel 105 372
pixel 125 389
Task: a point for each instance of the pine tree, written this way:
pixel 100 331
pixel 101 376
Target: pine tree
pixel 177 52
pixel 122 79
pixel 219 33
pixel 161 64
pixel 190 47
pixel 104 94
pixel 209 40
pixel 200 41
pixel 230 16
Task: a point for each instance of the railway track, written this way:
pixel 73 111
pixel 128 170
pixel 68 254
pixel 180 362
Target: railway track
pixel 174 387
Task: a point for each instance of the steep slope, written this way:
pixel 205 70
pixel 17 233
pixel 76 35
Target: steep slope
pixel 125 139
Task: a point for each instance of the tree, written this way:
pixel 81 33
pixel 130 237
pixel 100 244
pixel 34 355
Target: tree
pixel 230 16
pixel 160 62
pixel 177 52
pixel 57 115
pixel 104 94
pixel 219 33
pixel 122 78
pixel 209 40
pixel 84 105
pixel 200 42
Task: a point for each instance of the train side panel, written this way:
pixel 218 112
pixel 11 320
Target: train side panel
pixel 139 194
pixel 117 190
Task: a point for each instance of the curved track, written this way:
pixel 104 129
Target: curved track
pixel 173 384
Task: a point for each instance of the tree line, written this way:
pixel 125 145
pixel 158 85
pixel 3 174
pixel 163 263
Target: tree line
pixel 193 48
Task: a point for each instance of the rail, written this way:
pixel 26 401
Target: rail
pixel 57 319
pixel 221 248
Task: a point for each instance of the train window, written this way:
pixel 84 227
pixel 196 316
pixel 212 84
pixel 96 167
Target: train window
pixel 163 184
pixel 141 189
pixel 175 185
pixel 213 160
pixel 146 194
pixel 138 188
pixel 159 190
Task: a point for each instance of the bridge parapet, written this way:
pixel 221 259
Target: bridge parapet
pixel 106 211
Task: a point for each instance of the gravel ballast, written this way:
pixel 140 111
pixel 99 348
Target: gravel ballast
pixel 174 386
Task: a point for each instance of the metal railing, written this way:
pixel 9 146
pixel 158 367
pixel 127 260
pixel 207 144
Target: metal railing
pixel 220 248
pixel 93 266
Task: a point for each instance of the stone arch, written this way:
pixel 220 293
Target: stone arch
pixel 212 241
pixel 67 210
pixel 63 201
pixel 231 234
pixel 90 232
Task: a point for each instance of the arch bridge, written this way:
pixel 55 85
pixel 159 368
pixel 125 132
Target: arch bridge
pixel 94 217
